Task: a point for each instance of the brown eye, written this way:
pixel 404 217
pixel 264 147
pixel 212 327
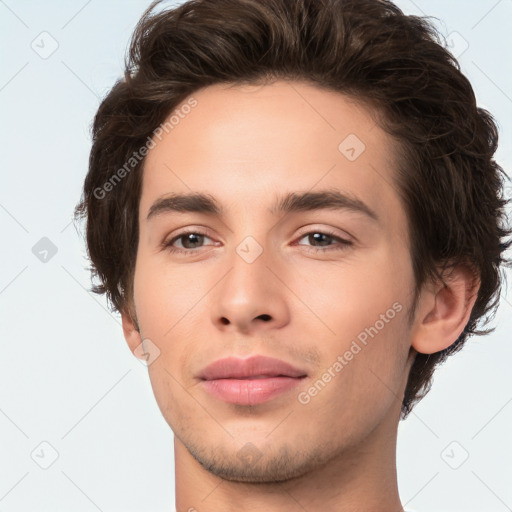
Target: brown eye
pixel 320 239
pixel 187 242
pixel 191 240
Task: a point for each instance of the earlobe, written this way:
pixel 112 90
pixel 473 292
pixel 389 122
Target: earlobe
pixel 130 331
pixel 444 310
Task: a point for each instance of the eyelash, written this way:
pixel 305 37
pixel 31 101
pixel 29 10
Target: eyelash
pixel 344 243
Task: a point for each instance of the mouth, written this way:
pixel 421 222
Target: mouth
pixel 258 377
pixel 251 381
pixel 250 390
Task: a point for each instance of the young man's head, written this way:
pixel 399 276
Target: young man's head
pixel 308 180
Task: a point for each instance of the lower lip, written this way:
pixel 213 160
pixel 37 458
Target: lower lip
pixel 250 391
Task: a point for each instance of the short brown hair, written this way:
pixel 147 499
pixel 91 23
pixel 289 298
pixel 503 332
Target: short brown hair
pixel 450 185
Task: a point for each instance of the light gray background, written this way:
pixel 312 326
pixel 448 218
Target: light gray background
pixel 68 378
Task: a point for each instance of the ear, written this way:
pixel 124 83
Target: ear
pixel 130 330
pixel 443 310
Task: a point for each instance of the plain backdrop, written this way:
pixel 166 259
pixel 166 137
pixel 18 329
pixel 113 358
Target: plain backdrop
pixel 80 429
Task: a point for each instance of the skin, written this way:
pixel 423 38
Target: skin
pixel 244 146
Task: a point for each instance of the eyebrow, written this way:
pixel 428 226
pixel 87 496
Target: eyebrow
pixel 289 203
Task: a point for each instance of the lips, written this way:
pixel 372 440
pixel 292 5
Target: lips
pixel 253 367
pixel 250 381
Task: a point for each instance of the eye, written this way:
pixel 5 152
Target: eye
pixel 190 240
pixel 324 240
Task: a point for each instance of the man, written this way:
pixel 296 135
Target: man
pixel 294 206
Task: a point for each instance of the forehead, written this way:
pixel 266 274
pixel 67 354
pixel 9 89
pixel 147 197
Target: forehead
pixel 242 144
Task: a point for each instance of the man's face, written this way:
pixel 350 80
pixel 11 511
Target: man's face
pixel 281 284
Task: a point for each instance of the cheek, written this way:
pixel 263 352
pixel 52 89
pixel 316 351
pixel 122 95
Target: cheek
pixel 350 295
pixel 363 317
pixel 164 300
pixel 163 296
pixel 170 312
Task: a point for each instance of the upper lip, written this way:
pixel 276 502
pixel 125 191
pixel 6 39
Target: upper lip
pixel 235 368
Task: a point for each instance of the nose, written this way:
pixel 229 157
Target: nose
pixel 251 296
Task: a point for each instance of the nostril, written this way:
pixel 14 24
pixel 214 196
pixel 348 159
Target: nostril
pixel 265 317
